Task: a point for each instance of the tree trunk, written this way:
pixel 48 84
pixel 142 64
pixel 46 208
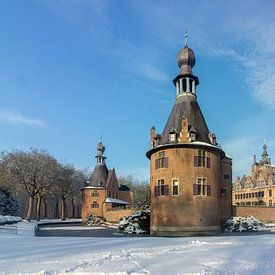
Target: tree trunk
pixel 56 210
pixel 38 207
pixel 63 209
pixel 73 207
pixel 30 207
pixel 45 208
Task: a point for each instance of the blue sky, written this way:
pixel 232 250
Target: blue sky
pixel 73 70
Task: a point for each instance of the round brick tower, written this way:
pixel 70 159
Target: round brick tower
pixel 190 175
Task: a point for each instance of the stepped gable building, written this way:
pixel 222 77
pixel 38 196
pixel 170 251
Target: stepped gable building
pixel 259 187
pixel 103 195
pixel 190 178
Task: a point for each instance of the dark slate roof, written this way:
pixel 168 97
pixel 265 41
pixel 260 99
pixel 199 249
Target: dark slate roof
pixel 112 179
pixel 186 106
pixel 99 176
pixel 124 187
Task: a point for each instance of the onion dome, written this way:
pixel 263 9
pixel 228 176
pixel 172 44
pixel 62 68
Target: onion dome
pixel 100 148
pixel 186 60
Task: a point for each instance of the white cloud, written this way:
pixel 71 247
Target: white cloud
pixel 18 118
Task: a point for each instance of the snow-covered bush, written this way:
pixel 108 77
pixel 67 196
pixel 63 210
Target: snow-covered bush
pixel 8 204
pixel 137 223
pixel 240 224
pixel 95 220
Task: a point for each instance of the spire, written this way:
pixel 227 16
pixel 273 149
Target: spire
pixel 264 154
pixel 186 39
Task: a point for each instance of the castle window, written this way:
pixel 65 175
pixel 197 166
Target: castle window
pixel 270 202
pixel 161 162
pixel 161 189
pixel 252 195
pixel 175 187
pixel 249 195
pixel 95 194
pixel 235 197
pixel 270 192
pixel 201 160
pixel 95 205
pixel 246 195
pixel 201 188
pixel 227 177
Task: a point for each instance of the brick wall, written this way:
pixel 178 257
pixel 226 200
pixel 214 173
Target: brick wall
pixel 116 215
pixel 186 209
pixel 264 214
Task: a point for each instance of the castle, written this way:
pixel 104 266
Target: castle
pixel 259 187
pixel 103 196
pixel 190 174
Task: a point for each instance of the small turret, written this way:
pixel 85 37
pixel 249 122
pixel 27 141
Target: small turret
pixel 265 158
pixel 100 153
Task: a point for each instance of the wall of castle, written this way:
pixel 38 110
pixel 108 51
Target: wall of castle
pixel 262 213
pixel 114 215
pixel 186 211
pixel 226 189
pixel 126 196
pixel 92 202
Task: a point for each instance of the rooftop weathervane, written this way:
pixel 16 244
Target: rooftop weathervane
pixel 186 38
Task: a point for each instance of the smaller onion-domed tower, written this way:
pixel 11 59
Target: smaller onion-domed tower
pixel 190 175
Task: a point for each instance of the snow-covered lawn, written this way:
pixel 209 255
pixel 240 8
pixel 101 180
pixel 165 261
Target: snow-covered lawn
pixel 253 254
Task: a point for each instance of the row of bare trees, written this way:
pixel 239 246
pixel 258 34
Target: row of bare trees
pixel 140 189
pixel 46 184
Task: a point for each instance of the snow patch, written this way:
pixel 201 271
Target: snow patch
pixel 9 219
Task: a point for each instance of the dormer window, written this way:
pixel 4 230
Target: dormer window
pixel 192 134
pixel 213 139
pixel 173 137
pixel 157 140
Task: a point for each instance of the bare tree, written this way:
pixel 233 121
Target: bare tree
pixel 141 190
pixel 34 170
pixel 68 185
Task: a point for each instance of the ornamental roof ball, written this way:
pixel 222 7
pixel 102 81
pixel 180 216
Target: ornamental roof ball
pixel 186 56
pixel 100 147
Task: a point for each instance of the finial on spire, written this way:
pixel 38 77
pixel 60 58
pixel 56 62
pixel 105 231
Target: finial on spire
pixel 186 39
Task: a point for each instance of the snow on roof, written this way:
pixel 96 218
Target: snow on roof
pixel 206 144
pixel 112 200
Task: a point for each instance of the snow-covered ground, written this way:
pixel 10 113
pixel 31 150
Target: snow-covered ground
pixel 247 254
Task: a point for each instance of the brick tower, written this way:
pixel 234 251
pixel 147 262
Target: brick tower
pixel 190 175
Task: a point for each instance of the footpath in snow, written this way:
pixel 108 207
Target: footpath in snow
pixel 249 254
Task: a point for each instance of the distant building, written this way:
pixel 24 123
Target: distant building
pixel 103 196
pixel 259 187
pixel 190 178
